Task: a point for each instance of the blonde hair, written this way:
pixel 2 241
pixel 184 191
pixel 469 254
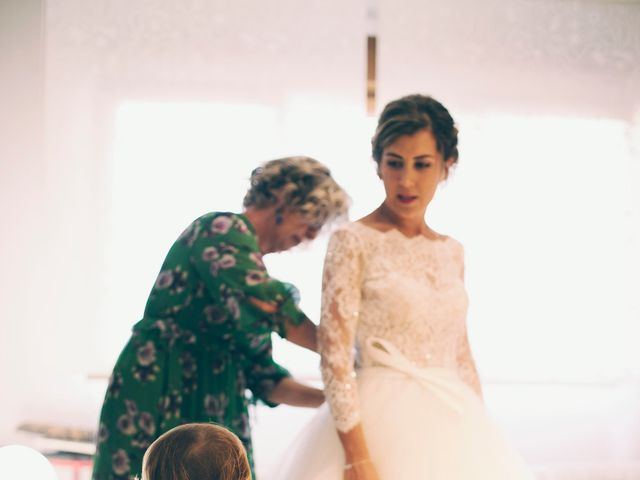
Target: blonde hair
pixel 196 451
pixel 300 184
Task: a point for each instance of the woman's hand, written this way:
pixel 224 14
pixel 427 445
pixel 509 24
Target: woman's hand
pixel 360 470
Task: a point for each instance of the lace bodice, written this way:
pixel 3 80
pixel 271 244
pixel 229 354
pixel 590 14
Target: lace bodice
pixel 408 291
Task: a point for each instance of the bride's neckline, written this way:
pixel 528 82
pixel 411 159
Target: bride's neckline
pixel 398 233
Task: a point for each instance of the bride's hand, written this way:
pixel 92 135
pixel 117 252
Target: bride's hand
pixel 361 471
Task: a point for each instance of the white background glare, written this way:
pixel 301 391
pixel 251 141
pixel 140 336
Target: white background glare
pixel 23 463
pixel 543 206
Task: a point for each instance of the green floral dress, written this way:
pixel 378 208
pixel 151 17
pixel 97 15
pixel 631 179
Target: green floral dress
pixel 202 352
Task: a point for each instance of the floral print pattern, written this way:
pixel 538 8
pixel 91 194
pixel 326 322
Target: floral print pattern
pixel 120 464
pixel 200 347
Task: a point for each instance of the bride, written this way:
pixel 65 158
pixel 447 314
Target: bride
pixel 393 288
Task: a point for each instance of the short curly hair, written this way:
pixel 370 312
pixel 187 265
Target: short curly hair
pixel 407 115
pixel 303 184
pixel 196 451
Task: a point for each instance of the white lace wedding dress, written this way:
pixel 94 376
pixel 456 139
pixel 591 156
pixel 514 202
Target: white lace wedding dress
pixel 402 303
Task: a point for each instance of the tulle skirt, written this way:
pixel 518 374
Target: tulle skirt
pixel 429 426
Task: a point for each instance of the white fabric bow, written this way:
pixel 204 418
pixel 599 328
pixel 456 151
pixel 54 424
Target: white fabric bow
pixel 386 354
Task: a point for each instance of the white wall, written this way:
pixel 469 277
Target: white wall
pixel 144 127
pixel 22 203
pixel 545 197
pixel 187 61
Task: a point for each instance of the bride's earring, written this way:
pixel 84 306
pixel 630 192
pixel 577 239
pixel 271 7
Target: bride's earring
pixel 446 166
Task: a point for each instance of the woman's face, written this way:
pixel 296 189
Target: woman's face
pixel 293 229
pixel 411 169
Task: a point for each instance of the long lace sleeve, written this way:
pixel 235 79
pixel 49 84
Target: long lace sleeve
pixel 466 364
pixel 339 317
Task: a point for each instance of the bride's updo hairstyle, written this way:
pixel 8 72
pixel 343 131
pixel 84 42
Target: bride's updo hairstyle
pixel 407 115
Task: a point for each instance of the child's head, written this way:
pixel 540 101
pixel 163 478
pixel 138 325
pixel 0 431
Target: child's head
pixel 196 451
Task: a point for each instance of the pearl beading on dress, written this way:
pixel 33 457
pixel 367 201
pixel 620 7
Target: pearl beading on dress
pixel 408 291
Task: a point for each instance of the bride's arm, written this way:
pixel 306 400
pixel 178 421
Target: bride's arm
pixel 466 364
pixel 341 284
pixel 358 464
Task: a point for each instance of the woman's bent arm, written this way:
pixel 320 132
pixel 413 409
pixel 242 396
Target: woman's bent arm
pixel 296 394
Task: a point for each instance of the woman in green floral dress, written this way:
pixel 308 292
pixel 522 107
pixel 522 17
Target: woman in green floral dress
pixel 202 351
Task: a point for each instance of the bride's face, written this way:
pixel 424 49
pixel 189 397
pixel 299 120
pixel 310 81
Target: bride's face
pixel 411 169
